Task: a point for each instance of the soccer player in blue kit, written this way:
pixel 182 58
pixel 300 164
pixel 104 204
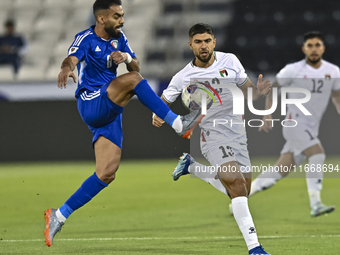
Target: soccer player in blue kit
pixel 101 97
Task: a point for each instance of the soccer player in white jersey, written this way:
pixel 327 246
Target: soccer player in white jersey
pixel 224 146
pixel 321 78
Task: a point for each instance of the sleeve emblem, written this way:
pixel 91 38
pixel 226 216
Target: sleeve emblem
pixel 73 50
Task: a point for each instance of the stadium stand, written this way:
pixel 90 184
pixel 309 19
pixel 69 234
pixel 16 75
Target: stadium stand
pixel 267 36
pixel 171 52
pixel 263 34
pixel 50 26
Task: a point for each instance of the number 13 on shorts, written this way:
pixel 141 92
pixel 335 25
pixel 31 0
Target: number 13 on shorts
pixel 227 151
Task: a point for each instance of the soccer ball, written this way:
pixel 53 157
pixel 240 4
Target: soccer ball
pixel 192 96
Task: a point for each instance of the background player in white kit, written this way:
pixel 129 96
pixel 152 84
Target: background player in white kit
pixel 321 78
pixel 224 145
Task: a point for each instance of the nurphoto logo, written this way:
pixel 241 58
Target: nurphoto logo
pixel 223 87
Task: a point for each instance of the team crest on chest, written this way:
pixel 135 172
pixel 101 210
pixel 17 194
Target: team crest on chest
pixel 223 72
pixel 327 76
pixel 114 43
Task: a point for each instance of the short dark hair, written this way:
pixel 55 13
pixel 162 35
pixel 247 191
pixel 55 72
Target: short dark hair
pixel 200 28
pixel 312 34
pixel 9 23
pixel 104 4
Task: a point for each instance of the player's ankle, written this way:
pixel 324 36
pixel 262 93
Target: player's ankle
pixel 60 217
pixel 177 125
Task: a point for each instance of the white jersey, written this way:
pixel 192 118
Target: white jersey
pixel 226 69
pixel 320 82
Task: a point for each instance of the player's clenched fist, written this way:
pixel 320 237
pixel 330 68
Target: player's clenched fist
pixel 157 121
pixel 118 57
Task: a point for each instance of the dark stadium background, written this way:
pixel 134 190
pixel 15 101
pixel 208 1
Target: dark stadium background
pixel 265 35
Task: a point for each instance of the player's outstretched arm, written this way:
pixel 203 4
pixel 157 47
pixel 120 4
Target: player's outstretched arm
pixel 66 71
pixel 336 99
pixel 266 127
pixel 263 88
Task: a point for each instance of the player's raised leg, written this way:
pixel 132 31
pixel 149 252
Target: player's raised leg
pixel 237 186
pixel 187 164
pixel 121 90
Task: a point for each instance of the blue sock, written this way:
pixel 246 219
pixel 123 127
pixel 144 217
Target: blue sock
pixel 90 187
pixel 150 99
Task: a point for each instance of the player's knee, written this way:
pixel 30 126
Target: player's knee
pixel 135 78
pixel 236 187
pixel 108 177
pixel 128 81
pixel 234 182
pixel 108 174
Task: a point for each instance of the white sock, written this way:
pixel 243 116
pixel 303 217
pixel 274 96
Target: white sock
pixel 264 181
pixel 201 171
pixel 314 178
pixel 60 216
pixel 314 197
pixel 245 221
pixel 177 124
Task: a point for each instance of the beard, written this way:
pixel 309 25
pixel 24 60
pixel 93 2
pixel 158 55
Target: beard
pixel 112 32
pixel 314 61
pixel 205 60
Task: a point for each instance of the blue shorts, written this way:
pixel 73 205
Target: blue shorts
pixel 103 117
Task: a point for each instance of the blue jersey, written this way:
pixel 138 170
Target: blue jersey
pixel 95 68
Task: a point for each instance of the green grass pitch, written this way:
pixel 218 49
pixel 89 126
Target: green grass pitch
pixel 145 212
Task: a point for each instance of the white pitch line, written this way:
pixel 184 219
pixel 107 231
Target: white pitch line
pixel 169 238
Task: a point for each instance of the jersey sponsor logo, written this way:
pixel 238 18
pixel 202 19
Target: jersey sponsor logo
pixel 73 50
pixel 223 72
pixel 114 44
pixel 97 48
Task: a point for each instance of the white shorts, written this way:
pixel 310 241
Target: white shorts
pixel 218 150
pixel 298 139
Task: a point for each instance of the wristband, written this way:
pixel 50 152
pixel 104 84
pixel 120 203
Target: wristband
pixel 129 58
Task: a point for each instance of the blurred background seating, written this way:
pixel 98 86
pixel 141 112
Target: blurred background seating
pixel 263 34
